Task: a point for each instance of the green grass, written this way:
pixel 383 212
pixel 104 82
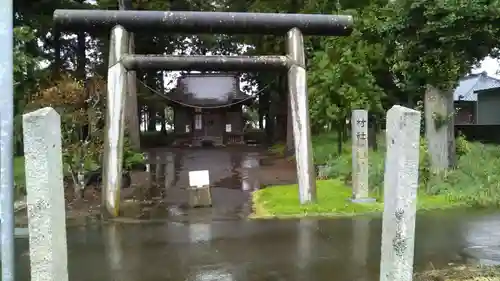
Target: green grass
pixel 19 169
pixel 333 200
pixel 324 147
pixel 19 178
pixel 474 182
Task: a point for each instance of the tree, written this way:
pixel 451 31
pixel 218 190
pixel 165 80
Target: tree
pixel 340 80
pixel 437 42
pixel 434 44
pixel 25 66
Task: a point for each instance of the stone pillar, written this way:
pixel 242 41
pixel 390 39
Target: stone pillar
pixel 45 195
pixel 115 123
pixel 297 89
pixel 400 194
pixel 132 118
pixel 439 128
pixel 359 132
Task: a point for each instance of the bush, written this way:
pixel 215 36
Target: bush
pixel 341 167
pixel 475 180
pixel 462 145
pixel 81 108
pixel 325 148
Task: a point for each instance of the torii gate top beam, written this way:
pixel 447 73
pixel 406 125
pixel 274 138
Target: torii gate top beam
pixel 204 22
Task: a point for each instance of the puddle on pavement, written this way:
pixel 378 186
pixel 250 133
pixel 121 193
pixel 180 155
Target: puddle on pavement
pixel 217 244
pixel 234 174
pixel 243 250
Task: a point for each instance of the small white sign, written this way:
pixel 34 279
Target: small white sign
pixel 228 128
pixel 199 178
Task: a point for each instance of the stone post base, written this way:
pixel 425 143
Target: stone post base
pixel 199 197
pixel 363 200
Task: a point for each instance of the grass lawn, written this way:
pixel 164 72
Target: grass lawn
pixel 19 179
pixel 19 170
pixel 333 200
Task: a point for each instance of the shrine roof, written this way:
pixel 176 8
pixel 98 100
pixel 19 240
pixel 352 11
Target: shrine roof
pixel 201 89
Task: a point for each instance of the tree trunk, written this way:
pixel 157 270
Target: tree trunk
pixel 151 83
pixel 439 128
pixel 56 68
pixel 261 111
pixel 82 75
pixel 162 116
pixel 151 119
pixel 340 137
pixel 372 133
pixel 345 130
pixel 281 119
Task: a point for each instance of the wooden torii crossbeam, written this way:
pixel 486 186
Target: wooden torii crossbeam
pixel 294 26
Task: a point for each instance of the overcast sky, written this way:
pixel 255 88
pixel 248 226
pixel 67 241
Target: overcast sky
pixel 491 66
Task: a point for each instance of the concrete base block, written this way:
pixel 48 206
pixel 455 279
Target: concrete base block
pixel 363 200
pixel 199 197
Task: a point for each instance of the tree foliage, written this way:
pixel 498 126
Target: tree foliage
pixel 340 78
pixel 82 148
pixel 437 42
pixel 396 49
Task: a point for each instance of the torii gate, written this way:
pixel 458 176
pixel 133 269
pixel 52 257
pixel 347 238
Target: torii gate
pixel 121 60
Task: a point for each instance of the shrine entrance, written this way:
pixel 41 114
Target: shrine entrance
pixel 123 61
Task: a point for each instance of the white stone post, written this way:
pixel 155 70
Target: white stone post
pixel 400 194
pixel 359 131
pixel 45 195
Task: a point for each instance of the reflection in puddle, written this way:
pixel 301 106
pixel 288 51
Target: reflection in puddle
pixel 199 232
pixel 249 173
pixel 305 241
pixel 305 247
pixel 114 252
pixel 482 238
pixel 291 250
pixel 169 171
pixel 212 274
pixel 233 176
pixel 360 246
pixel 227 169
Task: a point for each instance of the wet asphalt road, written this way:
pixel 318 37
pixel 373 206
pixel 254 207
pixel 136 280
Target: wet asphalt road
pixel 220 244
pixel 242 250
